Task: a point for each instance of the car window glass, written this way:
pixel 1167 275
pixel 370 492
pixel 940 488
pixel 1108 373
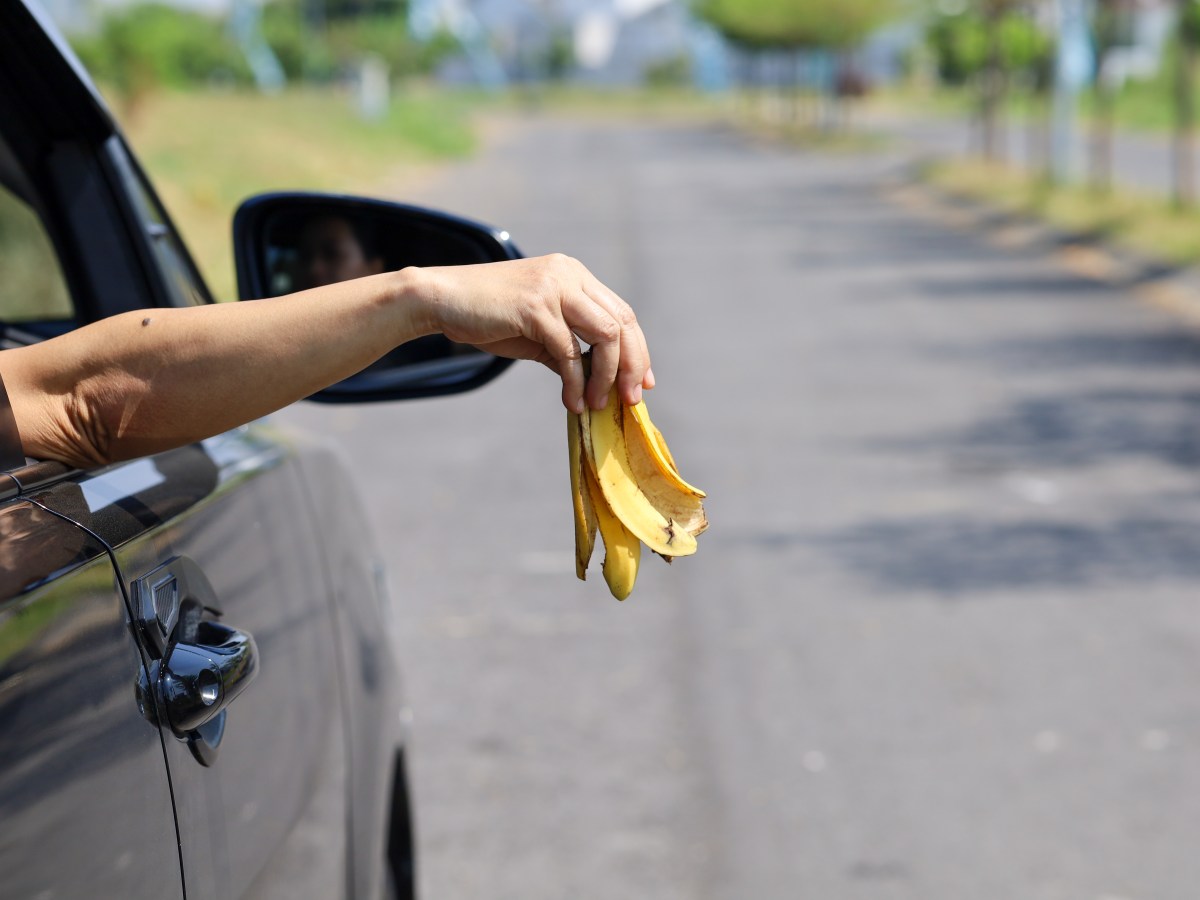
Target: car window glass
pixel 183 281
pixel 32 287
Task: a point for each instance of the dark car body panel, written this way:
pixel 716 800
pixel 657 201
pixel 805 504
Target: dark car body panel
pixel 75 749
pixel 236 507
pixel 96 798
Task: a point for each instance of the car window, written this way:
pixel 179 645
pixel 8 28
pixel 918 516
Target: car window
pixel 183 281
pixel 32 286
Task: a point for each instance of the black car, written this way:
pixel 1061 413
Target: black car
pixel 197 693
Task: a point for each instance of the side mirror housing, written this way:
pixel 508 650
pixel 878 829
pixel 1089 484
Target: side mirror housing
pixel 287 242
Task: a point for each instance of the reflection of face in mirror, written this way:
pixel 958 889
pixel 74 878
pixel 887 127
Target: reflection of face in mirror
pixel 333 249
pixel 315 243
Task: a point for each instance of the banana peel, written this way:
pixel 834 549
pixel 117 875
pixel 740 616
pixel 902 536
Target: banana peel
pixel 581 497
pixel 626 485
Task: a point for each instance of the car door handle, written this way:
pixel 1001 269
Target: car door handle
pixel 198 680
pixel 198 665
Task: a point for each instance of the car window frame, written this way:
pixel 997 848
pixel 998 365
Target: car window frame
pixel 95 201
pixel 155 229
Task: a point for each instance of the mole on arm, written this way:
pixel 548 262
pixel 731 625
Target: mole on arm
pixel 146 321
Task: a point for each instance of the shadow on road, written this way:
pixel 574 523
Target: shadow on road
pixel 1147 350
pixel 971 288
pixel 1074 429
pixel 958 555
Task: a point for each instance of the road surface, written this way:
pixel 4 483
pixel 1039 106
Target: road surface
pixel 942 640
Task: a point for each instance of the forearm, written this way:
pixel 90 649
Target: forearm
pixel 143 382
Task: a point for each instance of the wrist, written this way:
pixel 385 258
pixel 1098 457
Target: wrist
pixel 413 294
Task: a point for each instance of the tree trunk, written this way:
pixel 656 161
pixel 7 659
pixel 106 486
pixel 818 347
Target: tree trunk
pixel 992 91
pixel 1105 31
pixel 1037 136
pixel 1101 163
pixel 1185 138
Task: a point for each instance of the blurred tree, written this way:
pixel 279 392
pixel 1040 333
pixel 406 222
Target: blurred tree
pixel 349 30
pixel 1187 43
pixel 827 24
pixel 1112 24
pixel 559 55
pixel 302 51
pixel 959 46
pixel 142 47
pixel 332 10
pixel 988 44
pixel 790 27
pixel 670 72
pixel 1032 57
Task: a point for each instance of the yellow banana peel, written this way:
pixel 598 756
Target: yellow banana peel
pixel 622 551
pixel 581 497
pixel 625 483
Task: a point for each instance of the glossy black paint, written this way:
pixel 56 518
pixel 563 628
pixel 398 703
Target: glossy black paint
pixel 108 786
pixel 199 666
pixel 85 801
pixel 197 681
pixel 407 236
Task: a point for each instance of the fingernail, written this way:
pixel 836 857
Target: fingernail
pixel 602 403
pixel 637 394
pixel 579 406
pixel 648 379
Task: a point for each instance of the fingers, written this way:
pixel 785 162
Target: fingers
pixel 600 317
pixel 540 309
pixel 633 356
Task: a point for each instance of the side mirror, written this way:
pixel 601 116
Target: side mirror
pixel 289 242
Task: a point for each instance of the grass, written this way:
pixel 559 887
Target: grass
pixel 1147 225
pixel 1142 106
pixel 207 151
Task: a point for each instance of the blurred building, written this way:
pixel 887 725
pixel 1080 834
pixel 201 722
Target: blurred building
pixel 600 42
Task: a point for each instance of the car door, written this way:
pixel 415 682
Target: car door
pixel 263 812
pixel 85 800
pixel 222 527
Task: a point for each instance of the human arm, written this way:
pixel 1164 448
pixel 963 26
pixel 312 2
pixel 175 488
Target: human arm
pixel 150 380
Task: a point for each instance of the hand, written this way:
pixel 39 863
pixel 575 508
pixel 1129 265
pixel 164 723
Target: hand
pixel 534 309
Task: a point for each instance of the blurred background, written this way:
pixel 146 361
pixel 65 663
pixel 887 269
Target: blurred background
pixel 918 280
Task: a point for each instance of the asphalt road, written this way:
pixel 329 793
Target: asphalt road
pixel 942 640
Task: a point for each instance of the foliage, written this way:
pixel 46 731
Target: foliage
pixel 333 10
pixel 1189 23
pixel 560 55
pixel 300 49
pixel 960 45
pixel 826 24
pixel 348 32
pixel 672 72
pixel 141 47
pixel 145 46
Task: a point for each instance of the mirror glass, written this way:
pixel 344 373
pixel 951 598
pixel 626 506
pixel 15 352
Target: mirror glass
pixel 291 243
